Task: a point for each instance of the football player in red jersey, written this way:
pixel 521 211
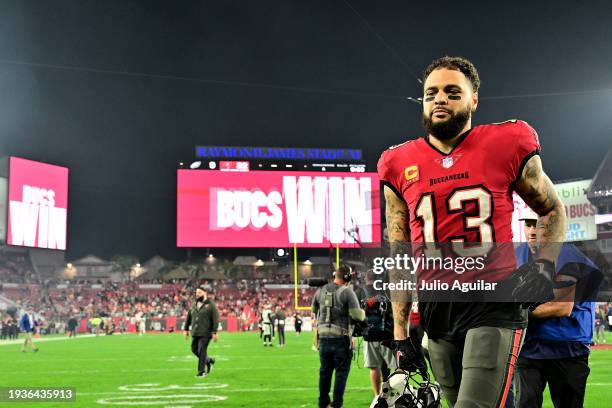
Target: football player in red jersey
pixel 455 186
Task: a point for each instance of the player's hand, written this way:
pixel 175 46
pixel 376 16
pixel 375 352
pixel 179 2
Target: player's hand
pixel 532 283
pixel 215 337
pixel 186 335
pixel 409 355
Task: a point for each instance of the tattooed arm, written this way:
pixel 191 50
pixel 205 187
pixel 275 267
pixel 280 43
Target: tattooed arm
pixel 540 195
pixel 396 213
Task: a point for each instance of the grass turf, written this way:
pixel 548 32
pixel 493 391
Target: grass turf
pixel 105 371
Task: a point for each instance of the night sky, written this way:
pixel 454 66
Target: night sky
pixel 121 91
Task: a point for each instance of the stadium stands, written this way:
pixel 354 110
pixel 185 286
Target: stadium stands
pixel 57 300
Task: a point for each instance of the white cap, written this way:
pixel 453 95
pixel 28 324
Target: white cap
pixel 528 215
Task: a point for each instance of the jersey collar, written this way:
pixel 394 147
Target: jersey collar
pixel 459 141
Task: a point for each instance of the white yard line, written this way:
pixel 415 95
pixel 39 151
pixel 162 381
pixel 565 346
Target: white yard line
pixel 224 390
pixel 45 339
pixel 145 370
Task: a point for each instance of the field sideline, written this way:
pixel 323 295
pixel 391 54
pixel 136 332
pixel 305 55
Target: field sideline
pixel 157 370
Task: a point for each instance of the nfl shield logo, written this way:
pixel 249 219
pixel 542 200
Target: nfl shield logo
pixel 448 162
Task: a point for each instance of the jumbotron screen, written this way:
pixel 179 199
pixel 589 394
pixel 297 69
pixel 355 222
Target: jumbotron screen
pixel 277 208
pixel 38 204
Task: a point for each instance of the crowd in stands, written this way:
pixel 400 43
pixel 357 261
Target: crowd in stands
pixel 57 301
pixel 231 297
pixel 16 269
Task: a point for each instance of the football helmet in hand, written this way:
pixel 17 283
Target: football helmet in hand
pixel 406 390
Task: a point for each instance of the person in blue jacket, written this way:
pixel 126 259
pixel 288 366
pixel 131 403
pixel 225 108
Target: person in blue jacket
pixel 28 324
pixel 559 335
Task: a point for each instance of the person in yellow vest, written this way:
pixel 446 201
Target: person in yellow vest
pixel 95 325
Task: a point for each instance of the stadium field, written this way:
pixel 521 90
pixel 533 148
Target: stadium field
pixel 157 370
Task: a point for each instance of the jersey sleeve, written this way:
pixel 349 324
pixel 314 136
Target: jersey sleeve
pixel 388 174
pixel 526 145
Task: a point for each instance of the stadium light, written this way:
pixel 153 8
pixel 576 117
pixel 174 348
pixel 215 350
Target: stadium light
pixel 259 263
pixel 70 271
pixel 308 262
pixel 195 165
pixel 136 271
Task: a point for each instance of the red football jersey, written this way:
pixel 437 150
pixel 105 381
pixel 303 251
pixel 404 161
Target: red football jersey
pixel 465 196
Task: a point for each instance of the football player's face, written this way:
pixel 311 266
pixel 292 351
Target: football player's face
pixel 447 92
pixel 448 102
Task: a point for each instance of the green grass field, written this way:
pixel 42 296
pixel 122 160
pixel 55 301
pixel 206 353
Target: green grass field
pixel 158 370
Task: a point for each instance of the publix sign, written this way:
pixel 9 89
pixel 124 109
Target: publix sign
pixel 580 212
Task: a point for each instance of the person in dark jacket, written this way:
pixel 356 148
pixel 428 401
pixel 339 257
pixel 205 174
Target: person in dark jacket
pixel 4 332
pixel 297 324
pixel 203 319
pixel 72 326
pixel 280 324
pixel 13 330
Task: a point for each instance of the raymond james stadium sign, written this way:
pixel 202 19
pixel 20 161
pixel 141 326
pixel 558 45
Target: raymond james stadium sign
pixel 284 153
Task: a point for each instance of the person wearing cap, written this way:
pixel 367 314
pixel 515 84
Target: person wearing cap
pixel 558 339
pixel 203 319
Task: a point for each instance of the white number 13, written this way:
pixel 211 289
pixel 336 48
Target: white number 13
pixel 456 202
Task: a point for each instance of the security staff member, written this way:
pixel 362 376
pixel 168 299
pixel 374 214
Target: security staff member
pixel 203 318
pixel 557 343
pixel 334 305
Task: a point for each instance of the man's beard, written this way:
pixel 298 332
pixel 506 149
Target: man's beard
pixel 200 298
pixel 449 128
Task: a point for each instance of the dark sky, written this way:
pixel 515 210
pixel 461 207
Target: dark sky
pixel 121 91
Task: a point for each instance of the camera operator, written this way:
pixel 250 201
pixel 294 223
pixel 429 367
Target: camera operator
pixel 335 304
pixel 377 327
